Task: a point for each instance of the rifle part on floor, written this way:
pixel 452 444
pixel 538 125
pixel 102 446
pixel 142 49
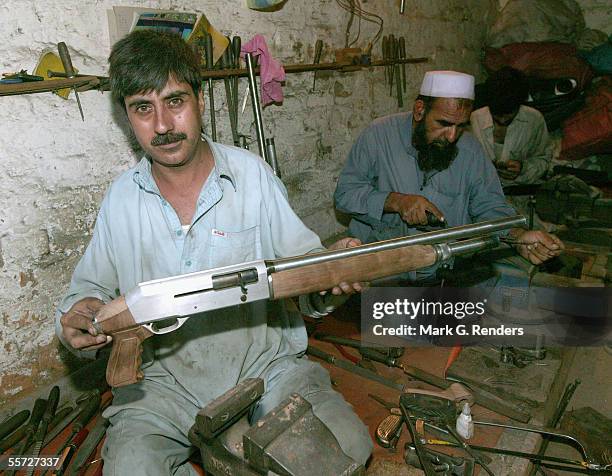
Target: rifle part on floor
pixel 350 367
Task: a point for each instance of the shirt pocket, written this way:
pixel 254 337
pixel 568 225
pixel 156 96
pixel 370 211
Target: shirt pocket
pixel 233 247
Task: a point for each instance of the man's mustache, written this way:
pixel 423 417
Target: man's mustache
pixel 169 138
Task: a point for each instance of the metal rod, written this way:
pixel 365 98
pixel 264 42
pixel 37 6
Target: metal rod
pixel 469 246
pixel 256 107
pixel 568 393
pixel 432 237
pixel 271 151
pixel 350 367
pixel 543 431
pixel 402 6
pixel 211 91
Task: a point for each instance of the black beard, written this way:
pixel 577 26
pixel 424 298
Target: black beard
pixel 435 156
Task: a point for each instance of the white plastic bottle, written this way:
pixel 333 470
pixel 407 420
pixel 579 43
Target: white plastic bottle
pixel 465 425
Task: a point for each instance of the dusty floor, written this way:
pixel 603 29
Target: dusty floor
pixel 592 366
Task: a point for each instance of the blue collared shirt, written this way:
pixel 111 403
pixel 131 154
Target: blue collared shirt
pixel 242 214
pixel 383 160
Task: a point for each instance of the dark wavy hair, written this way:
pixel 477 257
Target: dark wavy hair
pixel 506 90
pixel 143 60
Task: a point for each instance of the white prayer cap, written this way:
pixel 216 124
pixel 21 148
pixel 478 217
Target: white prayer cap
pixel 448 84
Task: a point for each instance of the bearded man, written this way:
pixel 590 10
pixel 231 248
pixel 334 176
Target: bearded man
pixel 407 168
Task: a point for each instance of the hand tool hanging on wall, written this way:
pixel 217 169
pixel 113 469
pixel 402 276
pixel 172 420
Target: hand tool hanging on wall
pixel 396 67
pixel 68 68
pixel 402 56
pixel 256 107
pixel 236 46
pixel 317 60
pixel 208 46
pixel 385 54
pixel 391 57
pixel 402 6
pixel 227 62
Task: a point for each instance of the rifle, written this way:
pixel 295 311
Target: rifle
pixel 132 318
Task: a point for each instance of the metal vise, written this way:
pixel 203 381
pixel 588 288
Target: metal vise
pixel 288 441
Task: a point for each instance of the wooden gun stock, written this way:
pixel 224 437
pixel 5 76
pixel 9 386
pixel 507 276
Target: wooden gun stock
pixel 123 366
pixel 318 277
pixel 115 318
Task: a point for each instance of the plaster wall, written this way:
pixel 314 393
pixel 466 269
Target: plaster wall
pixel 56 168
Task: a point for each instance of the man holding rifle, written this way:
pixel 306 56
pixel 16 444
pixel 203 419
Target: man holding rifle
pixel 408 169
pixel 189 205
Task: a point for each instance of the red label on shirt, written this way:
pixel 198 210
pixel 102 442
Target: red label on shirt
pixel 216 232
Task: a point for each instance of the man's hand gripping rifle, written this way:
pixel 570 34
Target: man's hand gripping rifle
pixel 132 318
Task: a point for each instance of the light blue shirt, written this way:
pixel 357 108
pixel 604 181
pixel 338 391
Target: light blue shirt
pixel 242 214
pixel 383 160
pixel 526 141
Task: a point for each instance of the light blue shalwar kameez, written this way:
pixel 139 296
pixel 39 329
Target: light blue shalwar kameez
pixel 242 214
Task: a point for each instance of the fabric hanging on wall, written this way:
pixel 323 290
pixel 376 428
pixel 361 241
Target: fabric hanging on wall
pixel 272 73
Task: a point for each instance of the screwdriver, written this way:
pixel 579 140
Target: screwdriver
pixel 67 62
pixel 317 59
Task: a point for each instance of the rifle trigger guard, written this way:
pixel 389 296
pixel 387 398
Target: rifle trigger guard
pixel 165 330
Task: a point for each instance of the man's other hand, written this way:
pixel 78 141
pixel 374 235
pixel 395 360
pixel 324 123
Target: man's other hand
pixel 346 288
pixel 511 169
pixel 538 246
pixel 412 208
pixel 77 326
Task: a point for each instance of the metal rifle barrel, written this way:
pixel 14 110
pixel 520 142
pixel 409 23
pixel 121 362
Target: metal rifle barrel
pixel 256 107
pixel 429 238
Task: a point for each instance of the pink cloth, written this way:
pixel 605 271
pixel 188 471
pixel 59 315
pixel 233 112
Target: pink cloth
pixel 272 72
